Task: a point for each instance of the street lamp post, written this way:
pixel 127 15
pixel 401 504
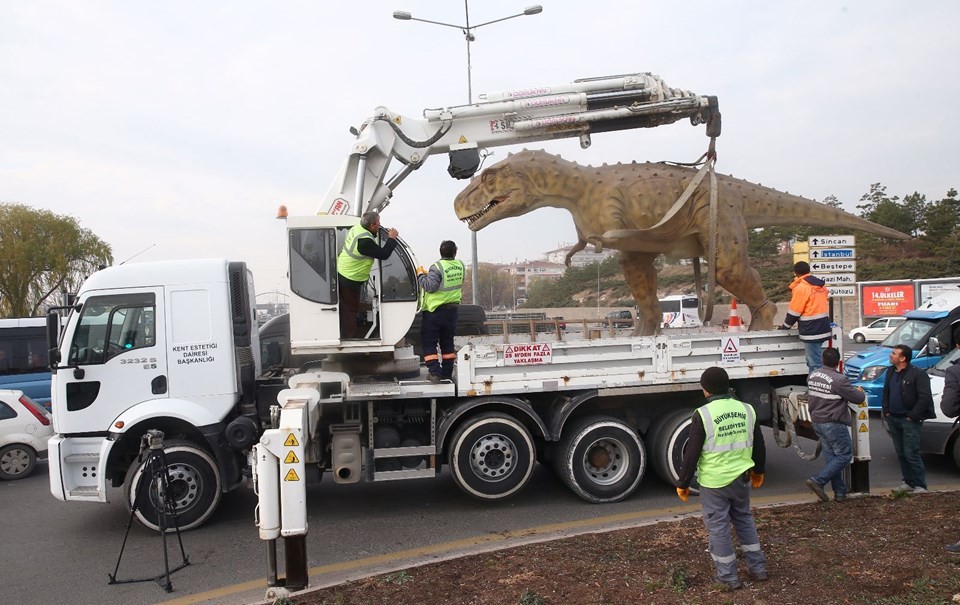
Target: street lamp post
pixel 467 30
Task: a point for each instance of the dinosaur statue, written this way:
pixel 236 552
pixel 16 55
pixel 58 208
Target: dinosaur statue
pixel 632 208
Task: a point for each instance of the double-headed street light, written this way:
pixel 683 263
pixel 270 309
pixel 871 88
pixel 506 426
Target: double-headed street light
pixel 467 30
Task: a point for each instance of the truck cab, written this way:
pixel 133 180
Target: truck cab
pixel 168 346
pixel 926 331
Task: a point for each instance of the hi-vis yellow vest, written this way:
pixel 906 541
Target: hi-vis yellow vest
pixel 450 288
pixel 728 447
pixel 350 263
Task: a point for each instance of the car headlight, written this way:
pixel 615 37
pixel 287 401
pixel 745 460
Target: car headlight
pixel 872 373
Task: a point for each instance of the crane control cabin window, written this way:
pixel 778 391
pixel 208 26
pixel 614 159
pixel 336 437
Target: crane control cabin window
pixel 313 264
pixel 111 325
pixel 313 267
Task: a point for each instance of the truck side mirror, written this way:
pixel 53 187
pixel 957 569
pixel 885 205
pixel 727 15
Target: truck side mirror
pixel 53 336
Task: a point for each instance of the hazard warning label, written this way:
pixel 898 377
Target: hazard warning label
pixel 527 354
pixel 731 349
pixel 291 476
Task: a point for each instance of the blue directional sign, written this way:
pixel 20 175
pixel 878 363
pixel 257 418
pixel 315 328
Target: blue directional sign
pixel 832 253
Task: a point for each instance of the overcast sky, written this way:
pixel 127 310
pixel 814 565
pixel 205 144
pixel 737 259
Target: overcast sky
pixel 182 125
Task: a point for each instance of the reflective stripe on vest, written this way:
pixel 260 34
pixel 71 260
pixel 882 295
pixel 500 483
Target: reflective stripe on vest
pixel 450 287
pixel 728 447
pixel 350 263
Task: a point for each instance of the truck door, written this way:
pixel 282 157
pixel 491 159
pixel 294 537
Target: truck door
pixel 117 358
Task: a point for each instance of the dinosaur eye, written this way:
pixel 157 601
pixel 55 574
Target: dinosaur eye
pixel 486 176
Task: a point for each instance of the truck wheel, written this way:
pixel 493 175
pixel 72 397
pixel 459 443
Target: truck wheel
pixel 17 461
pixel 667 439
pixel 492 456
pixel 600 458
pixel 194 486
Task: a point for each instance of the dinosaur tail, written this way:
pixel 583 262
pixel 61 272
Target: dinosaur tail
pixel 766 207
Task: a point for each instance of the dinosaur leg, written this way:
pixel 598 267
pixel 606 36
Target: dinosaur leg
pixel 641 277
pixel 735 274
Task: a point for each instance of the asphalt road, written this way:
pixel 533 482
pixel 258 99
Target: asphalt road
pixel 62 552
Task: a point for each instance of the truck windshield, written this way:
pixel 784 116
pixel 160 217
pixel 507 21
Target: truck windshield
pixel 911 333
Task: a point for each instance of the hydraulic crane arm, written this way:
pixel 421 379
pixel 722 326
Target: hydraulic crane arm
pixel 578 109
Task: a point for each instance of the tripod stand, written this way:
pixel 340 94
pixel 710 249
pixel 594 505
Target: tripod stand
pixel 154 467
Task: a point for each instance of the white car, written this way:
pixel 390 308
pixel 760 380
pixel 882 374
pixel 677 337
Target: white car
pixel 24 429
pixel 877 330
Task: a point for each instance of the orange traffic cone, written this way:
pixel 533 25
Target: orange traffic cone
pixel 735 324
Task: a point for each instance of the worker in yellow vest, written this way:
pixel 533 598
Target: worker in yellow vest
pixel 356 258
pixel 442 287
pixel 725 447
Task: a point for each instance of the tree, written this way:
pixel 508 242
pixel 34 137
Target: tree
pixel 494 285
pixel 43 253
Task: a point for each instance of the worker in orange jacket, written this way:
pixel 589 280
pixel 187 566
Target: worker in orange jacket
pixel 809 310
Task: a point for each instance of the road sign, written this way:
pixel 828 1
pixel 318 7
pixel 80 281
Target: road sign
pixel 838 279
pixel 832 254
pixel 833 266
pixel 841 291
pixel 832 241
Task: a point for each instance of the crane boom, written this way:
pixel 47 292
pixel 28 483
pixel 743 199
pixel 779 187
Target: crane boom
pixel 578 109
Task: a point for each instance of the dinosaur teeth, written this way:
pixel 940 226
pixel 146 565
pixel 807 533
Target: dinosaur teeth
pixel 476 216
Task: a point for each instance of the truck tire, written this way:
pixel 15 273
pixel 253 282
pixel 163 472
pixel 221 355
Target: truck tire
pixel 17 461
pixel 492 456
pixel 194 483
pixel 600 458
pixel 667 440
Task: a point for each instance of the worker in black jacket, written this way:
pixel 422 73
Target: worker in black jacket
pixel 907 402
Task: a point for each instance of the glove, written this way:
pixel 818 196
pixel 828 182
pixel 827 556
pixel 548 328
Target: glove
pixel 421 271
pixel 756 479
pixel 684 493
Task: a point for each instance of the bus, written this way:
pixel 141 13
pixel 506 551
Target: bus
pixel 680 311
pixel 23 358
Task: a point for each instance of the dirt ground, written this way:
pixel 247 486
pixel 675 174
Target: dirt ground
pixel 885 550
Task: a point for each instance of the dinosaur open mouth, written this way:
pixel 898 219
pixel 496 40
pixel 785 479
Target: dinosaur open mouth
pixel 476 215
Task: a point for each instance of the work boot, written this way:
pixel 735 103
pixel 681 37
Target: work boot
pixel 434 378
pixel 758 576
pixel 839 498
pixel 727 586
pixel 954 548
pixel 818 490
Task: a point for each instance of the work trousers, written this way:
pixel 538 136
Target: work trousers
pixel 349 292
pixel 814 351
pixel 722 507
pixel 837 451
pixel 438 327
pixel 906 441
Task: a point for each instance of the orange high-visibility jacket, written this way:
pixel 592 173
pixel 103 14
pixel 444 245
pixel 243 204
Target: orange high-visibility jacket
pixel 809 306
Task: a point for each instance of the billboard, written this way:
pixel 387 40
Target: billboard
pixel 883 300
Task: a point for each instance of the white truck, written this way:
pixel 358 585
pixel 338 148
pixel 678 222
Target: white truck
pixel 173 346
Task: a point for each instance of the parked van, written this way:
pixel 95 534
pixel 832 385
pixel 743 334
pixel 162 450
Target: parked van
pixel 680 311
pixel 926 331
pixel 940 435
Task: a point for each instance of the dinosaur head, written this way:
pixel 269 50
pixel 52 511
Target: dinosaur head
pixel 503 190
